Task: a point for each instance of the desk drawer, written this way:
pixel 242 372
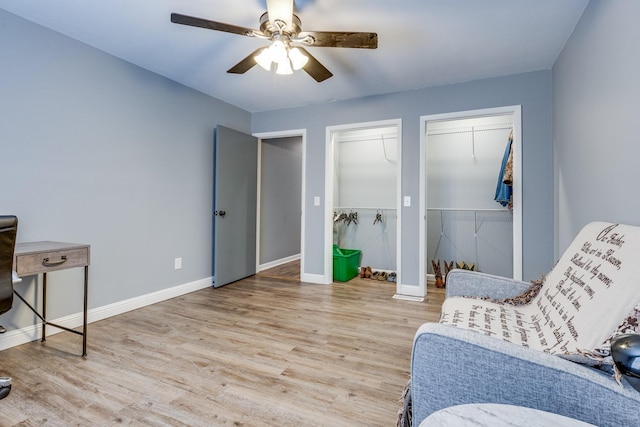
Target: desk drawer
pixel 43 262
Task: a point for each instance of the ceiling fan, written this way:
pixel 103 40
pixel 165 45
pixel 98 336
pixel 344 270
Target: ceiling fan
pixel 283 29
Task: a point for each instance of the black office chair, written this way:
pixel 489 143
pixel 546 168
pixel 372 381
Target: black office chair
pixel 8 231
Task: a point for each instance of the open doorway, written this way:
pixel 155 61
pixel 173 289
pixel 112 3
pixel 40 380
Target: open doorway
pixel 279 225
pixel 467 224
pixel 362 194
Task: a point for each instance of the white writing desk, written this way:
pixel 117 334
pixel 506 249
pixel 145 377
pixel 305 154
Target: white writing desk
pixel 35 258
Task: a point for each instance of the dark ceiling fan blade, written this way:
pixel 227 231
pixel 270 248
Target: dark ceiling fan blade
pixel 192 21
pixel 314 68
pixel 342 39
pixel 246 64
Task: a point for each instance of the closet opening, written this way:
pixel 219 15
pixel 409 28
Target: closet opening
pixel 363 169
pixel 472 203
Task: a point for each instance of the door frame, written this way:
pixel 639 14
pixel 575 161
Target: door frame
pixel 301 133
pixel 516 113
pixel 328 196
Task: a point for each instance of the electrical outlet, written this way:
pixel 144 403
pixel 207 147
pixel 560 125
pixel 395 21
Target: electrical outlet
pixel 177 263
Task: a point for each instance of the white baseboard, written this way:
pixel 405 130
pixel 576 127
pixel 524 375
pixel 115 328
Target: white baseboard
pixel 278 262
pixel 318 279
pixel 32 333
pixel 20 336
pixel 408 298
pixel 409 291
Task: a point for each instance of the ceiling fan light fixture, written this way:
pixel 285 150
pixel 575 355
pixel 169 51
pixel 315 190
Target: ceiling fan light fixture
pixel 278 52
pixel 298 59
pixel 284 68
pixel 287 59
pixel 264 58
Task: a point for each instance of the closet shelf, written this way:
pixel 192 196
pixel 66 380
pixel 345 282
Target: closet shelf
pixel 363 208
pixel 471 129
pixel 469 210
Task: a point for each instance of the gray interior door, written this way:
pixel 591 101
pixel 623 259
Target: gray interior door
pixel 235 198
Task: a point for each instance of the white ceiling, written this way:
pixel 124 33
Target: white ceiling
pixel 421 43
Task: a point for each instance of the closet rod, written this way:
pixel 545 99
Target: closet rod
pixel 475 217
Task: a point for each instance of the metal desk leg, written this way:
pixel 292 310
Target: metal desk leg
pixel 84 320
pixel 44 306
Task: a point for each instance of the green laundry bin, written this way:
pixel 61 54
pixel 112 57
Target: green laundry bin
pixel 345 263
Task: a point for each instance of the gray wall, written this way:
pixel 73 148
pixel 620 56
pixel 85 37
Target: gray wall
pixel 531 90
pixel 596 89
pixel 97 151
pixel 280 201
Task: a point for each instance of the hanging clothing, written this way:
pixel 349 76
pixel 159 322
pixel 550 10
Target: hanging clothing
pixel 508 171
pixel 504 191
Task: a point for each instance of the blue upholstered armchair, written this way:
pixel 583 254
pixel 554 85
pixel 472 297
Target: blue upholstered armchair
pixel 486 349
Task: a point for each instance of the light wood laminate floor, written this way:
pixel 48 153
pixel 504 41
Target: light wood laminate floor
pixel 264 351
